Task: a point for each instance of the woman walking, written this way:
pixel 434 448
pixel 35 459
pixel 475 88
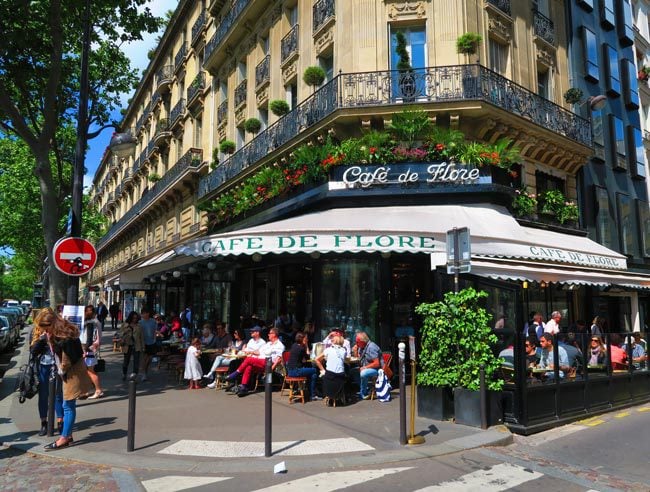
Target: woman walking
pixel 63 338
pixel 132 343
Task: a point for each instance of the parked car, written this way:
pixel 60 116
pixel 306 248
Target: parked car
pixel 18 311
pixel 5 333
pixel 14 324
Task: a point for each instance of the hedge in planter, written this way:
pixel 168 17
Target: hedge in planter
pixel 227 146
pixel 252 125
pixel 468 43
pixel 313 76
pixel 279 107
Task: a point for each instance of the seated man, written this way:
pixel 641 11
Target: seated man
pixel 256 361
pixel 370 360
pixel 639 356
pixel 222 340
pixel 574 355
pixel 532 353
pixel 547 357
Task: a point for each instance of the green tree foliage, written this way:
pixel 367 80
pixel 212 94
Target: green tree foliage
pixel 40 83
pixel 17 277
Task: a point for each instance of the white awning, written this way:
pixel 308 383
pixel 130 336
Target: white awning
pixel 407 229
pixel 162 262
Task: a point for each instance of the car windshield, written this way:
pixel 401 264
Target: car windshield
pixel 4 322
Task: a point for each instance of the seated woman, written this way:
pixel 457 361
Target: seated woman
pixel 334 372
pixel 597 352
pixel 225 361
pixel 299 352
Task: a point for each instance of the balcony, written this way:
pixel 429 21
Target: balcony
pixel 263 72
pixel 179 59
pixel 164 78
pixel 448 88
pixel 143 156
pixel 289 45
pixel 216 45
pixel 143 118
pixel 118 191
pixel 323 12
pixel 151 148
pixel 188 165
pixel 501 5
pixel 240 94
pixel 198 27
pixel 543 28
pixel 163 132
pixel 155 99
pixel 177 112
pixel 214 6
pixel 195 90
pixel 137 163
pixel 222 113
pixel 128 176
pixel 110 199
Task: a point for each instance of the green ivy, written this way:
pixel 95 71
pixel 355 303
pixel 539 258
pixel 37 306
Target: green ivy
pixel 456 339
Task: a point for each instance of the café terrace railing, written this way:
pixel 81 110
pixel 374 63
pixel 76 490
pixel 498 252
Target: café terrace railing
pixel 426 85
pixel 192 159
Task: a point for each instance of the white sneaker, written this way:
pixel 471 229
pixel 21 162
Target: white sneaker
pixel 212 385
pixel 207 376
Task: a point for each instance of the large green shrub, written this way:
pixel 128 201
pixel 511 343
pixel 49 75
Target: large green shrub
pixel 227 146
pixel 410 125
pixel 279 107
pixel 314 76
pixel 456 339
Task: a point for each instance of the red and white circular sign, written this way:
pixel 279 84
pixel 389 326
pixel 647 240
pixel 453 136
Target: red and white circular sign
pixel 74 256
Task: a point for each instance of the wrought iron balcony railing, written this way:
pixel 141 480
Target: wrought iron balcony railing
pixel 192 159
pixel 155 97
pixel 180 56
pixel 374 89
pixel 197 85
pixel 240 93
pixel 322 11
pixel 263 71
pixel 136 165
pixel 177 111
pixel 543 27
pixel 226 23
pixel 289 44
pixel 197 27
pixel 502 5
pixel 150 147
pixel 222 112
pixel 164 75
pixel 162 126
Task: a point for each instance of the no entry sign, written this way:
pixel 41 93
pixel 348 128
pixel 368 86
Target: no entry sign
pixel 74 256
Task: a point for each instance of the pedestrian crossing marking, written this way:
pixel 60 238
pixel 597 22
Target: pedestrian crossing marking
pixel 495 479
pixel 331 481
pixel 643 409
pixel 594 423
pixel 174 483
pixel 621 415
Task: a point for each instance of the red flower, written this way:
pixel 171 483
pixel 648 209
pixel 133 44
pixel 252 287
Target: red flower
pixel 372 150
pixel 440 147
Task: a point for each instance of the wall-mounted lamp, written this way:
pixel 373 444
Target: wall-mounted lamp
pixel 315 255
pixel 176 273
pixel 211 265
pixel 596 103
pixel 257 257
pixel 525 284
pixel 192 270
pixel 385 255
pixel 542 284
pixel 163 277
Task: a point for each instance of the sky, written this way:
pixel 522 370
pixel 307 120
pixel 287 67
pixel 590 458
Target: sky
pixel 137 53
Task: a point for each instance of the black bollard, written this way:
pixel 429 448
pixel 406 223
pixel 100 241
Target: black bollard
pixel 402 394
pixel 483 391
pixel 51 395
pixel 130 435
pixel 268 375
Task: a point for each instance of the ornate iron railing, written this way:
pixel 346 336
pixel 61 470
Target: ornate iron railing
pixel 177 111
pixel 150 147
pixel 136 165
pixel 322 11
pixel 197 27
pixel 263 71
pixel 162 126
pixel 543 27
pixel 143 155
pixel 197 85
pixel 222 112
pixel 165 74
pixel 180 56
pixel 143 117
pixel 154 99
pixel 240 93
pixel 289 44
pixel 192 159
pixel 226 23
pixel 502 5
pixel 427 85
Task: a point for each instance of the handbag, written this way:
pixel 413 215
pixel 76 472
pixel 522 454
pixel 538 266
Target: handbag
pixel 100 366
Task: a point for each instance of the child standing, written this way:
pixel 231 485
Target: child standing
pixel 193 370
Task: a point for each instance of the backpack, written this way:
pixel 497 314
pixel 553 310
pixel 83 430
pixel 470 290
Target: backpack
pixel 27 385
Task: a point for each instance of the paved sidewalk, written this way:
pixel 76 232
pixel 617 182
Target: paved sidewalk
pixel 204 431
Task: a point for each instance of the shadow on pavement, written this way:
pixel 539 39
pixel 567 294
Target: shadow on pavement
pixel 153 444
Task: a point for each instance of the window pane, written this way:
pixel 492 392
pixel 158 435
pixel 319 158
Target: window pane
pixel 591 54
pixel 604 225
pixel 614 79
pixel 643 208
pixel 638 169
pixel 619 135
pixel 626 225
pixel 597 126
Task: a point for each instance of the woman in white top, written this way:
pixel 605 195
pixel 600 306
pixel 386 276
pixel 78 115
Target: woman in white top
pixel 334 371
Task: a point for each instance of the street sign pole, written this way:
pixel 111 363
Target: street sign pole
pixel 456 259
pixel 458 253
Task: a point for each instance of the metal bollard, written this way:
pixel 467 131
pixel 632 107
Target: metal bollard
pixel 130 434
pixel 402 394
pixel 268 375
pixel 51 395
pixel 483 395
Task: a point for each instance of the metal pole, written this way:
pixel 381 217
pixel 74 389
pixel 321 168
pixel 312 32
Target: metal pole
pixel 413 439
pixel 483 391
pixel 130 435
pixel 80 148
pixel 402 394
pixel 51 395
pixel 267 407
pixel 456 259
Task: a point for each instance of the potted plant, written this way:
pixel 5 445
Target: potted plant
pixel 569 213
pixel 227 146
pixel 524 204
pixel 467 43
pixel 154 177
pixel 279 107
pixel 252 125
pixel 552 202
pixel 573 95
pixel 406 80
pixel 456 341
pixel 314 76
pixel 643 74
pixel 215 158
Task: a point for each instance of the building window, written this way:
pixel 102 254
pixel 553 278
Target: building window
pixel 588 5
pixel 637 152
pixel 607 16
pixel 604 225
pixel 292 15
pixel 327 64
pixel 198 129
pixel 590 49
pixel 612 76
pixel 416 46
pixel 626 224
pixel 625 26
pixel 223 91
pixel 543 88
pixel 617 142
pixel 498 56
pixel 643 209
pixel 241 138
pixel 264 119
pixel 241 70
pixel 292 95
pixel 630 85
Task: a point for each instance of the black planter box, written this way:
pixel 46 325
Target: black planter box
pixel 435 403
pixel 467 407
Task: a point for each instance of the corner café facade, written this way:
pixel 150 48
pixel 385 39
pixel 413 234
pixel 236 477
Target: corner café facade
pixel 362 250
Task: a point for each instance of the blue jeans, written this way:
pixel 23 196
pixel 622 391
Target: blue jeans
pixel 44 373
pixel 309 373
pixel 69 416
pixel 365 376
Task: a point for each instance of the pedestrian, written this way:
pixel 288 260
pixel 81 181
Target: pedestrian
pixel 90 338
pixel 193 370
pixel 47 369
pixel 114 310
pixel 149 332
pixel 63 338
pixel 132 342
pixel 102 313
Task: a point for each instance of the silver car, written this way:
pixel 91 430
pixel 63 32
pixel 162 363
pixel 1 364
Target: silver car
pixel 5 334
